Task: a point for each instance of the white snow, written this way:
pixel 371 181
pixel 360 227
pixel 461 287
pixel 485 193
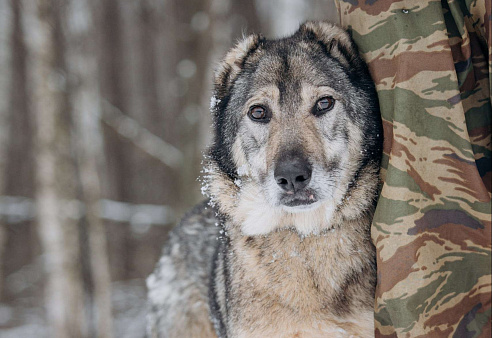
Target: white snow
pixel 214 101
pixel 243 170
pixel 25 317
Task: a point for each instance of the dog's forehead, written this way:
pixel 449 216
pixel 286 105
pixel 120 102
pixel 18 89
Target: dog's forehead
pixel 283 62
pixel 291 66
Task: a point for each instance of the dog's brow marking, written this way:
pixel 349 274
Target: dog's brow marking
pixel 313 93
pixel 270 94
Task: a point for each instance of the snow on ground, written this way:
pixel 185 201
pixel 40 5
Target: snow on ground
pixel 25 317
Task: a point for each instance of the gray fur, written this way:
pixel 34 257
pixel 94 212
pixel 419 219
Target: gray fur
pixel 178 288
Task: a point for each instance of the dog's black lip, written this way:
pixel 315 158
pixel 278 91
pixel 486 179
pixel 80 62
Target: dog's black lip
pixel 298 201
pixel 300 198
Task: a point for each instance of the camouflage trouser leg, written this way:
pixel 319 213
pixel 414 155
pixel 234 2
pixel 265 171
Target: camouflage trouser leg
pixel 431 61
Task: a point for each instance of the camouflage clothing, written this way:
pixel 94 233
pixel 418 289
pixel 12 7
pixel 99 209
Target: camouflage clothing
pixel 431 61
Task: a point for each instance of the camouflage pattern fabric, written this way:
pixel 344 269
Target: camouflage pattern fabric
pixel 431 61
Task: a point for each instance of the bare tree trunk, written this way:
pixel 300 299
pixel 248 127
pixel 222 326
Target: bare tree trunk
pixel 113 89
pixel 16 137
pixel 147 25
pixel 82 62
pixel 5 75
pixel 55 176
pixel 113 85
pixel 19 166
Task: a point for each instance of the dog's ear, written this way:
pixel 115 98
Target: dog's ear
pixel 336 41
pixel 230 67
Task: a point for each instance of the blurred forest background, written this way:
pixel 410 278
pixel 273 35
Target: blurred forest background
pixel 103 122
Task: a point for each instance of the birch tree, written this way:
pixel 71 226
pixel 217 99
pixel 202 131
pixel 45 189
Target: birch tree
pixel 85 107
pixel 5 48
pixel 55 175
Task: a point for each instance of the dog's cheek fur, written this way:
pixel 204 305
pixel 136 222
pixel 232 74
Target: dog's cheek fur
pixel 239 158
pixel 226 109
pixel 257 215
pixel 254 142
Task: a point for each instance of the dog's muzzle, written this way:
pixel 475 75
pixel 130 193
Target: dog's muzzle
pixel 293 173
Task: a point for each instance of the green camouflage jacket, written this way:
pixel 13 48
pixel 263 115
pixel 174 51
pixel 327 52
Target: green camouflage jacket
pixel 431 62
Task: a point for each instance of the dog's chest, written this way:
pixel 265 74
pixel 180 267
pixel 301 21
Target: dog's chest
pixel 312 330
pixel 288 287
pixel 285 266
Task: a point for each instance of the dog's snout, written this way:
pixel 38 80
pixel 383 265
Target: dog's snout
pixel 292 173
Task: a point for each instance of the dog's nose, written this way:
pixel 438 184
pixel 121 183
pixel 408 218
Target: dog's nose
pixel 292 173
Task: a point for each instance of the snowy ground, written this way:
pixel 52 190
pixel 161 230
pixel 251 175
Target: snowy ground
pixel 25 318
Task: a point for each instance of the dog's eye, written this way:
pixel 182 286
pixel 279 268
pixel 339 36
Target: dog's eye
pixel 259 114
pixel 323 105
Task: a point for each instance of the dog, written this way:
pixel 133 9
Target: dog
pixel 282 247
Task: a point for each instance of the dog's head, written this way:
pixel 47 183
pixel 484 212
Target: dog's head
pixel 297 132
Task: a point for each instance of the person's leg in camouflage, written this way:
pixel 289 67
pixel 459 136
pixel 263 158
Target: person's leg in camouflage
pixel 431 61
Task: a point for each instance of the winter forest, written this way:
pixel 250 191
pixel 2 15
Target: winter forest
pixel 104 118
